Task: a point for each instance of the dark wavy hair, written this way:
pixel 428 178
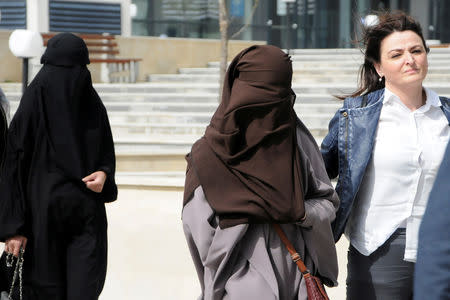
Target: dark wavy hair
pixel 372 36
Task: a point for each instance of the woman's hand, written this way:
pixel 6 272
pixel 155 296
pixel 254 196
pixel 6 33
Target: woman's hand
pixel 95 181
pixel 13 245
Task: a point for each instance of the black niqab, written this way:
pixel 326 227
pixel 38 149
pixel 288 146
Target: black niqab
pixel 72 109
pixel 66 49
pixel 59 134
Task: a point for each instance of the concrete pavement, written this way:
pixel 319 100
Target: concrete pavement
pixel 148 254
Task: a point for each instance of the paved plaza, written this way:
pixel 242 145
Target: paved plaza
pixel 148 255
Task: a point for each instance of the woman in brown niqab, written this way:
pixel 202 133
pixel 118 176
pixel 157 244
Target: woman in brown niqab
pixel 257 164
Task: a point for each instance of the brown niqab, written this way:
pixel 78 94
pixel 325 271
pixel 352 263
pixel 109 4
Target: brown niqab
pixel 248 161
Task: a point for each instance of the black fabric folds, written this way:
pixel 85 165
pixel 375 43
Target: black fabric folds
pixel 60 133
pixel 66 49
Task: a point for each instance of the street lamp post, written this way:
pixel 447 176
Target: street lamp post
pixel 25 44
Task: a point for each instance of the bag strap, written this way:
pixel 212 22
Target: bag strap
pixel 294 255
pixel 18 270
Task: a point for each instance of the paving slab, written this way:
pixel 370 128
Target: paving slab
pixel 148 254
pixel 148 257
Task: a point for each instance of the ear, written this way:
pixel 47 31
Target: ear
pixel 378 68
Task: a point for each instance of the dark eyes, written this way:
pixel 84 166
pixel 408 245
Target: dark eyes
pixel 415 51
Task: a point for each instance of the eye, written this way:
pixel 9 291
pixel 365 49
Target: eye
pixel 417 51
pixel 395 55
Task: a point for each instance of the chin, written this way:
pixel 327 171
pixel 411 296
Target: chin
pixel 414 79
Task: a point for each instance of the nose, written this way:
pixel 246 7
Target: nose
pixel 409 58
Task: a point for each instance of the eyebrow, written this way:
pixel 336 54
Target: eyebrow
pixel 412 47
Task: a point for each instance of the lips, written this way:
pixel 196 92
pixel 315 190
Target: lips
pixel 412 71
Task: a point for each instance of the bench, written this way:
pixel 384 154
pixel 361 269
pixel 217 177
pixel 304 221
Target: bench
pixel 440 46
pixel 103 49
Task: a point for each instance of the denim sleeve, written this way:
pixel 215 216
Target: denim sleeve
pixel 329 147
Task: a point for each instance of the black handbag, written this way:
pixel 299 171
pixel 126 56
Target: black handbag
pixel 15 264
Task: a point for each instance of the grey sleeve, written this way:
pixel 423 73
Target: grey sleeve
pixel 321 204
pixel 321 200
pixel 5 105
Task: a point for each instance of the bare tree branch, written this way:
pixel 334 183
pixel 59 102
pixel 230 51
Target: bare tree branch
pixel 223 24
pixel 249 20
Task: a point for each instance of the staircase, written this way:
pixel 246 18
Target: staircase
pixel 155 123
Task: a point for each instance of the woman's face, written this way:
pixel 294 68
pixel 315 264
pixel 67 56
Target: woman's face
pixel 403 60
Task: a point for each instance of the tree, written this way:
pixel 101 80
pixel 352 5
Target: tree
pixel 224 22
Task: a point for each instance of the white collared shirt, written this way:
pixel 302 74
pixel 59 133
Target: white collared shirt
pixel 408 149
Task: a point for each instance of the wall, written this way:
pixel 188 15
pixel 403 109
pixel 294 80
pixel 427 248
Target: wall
pixel 159 55
pixel 11 66
pixel 38 14
pixel 166 55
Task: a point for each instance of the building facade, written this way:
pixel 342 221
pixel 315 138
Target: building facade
pixel 82 16
pixel 288 24
pixel 285 23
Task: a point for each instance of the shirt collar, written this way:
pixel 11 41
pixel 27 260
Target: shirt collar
pixel 389 96
pixel 432 98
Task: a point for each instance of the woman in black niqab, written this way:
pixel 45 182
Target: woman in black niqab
pixel 58 173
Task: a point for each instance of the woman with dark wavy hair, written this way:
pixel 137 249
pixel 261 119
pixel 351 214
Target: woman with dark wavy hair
pixel 58 173
pixel 386 144
pixel 257 164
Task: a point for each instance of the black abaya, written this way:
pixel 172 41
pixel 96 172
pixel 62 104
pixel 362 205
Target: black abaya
pixel 59 134
pixel 3 132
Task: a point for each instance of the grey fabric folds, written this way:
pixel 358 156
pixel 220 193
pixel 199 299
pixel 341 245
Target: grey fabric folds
pixel 249 261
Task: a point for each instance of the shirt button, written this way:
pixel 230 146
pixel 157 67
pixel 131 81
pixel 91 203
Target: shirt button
pixel 345 114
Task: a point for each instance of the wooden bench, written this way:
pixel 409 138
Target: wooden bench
pixel 103 49
pixel 440 46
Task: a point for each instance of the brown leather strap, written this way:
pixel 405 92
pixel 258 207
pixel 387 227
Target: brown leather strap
pixel 294 255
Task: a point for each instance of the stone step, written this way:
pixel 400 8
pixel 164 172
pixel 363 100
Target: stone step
pixel 151 162
pixel 159 144
pixel 123 109
pixel 311 120
pixel 155 144
pixel 346 51
pixel 161 101
pixel 349 62
pixel 147 130
pixel 145 160
pixel 304 105
pixel 317 88
pixel 356 57
pixel 317 69
pixel 298 77
pixel 137 98
pixel 151 180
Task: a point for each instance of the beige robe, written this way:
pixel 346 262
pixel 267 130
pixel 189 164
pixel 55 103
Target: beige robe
pixel 249 261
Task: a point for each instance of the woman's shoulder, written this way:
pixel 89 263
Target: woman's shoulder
pixel 445 100
pixel 363 100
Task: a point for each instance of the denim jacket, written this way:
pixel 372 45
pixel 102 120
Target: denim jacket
pixel 348 146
